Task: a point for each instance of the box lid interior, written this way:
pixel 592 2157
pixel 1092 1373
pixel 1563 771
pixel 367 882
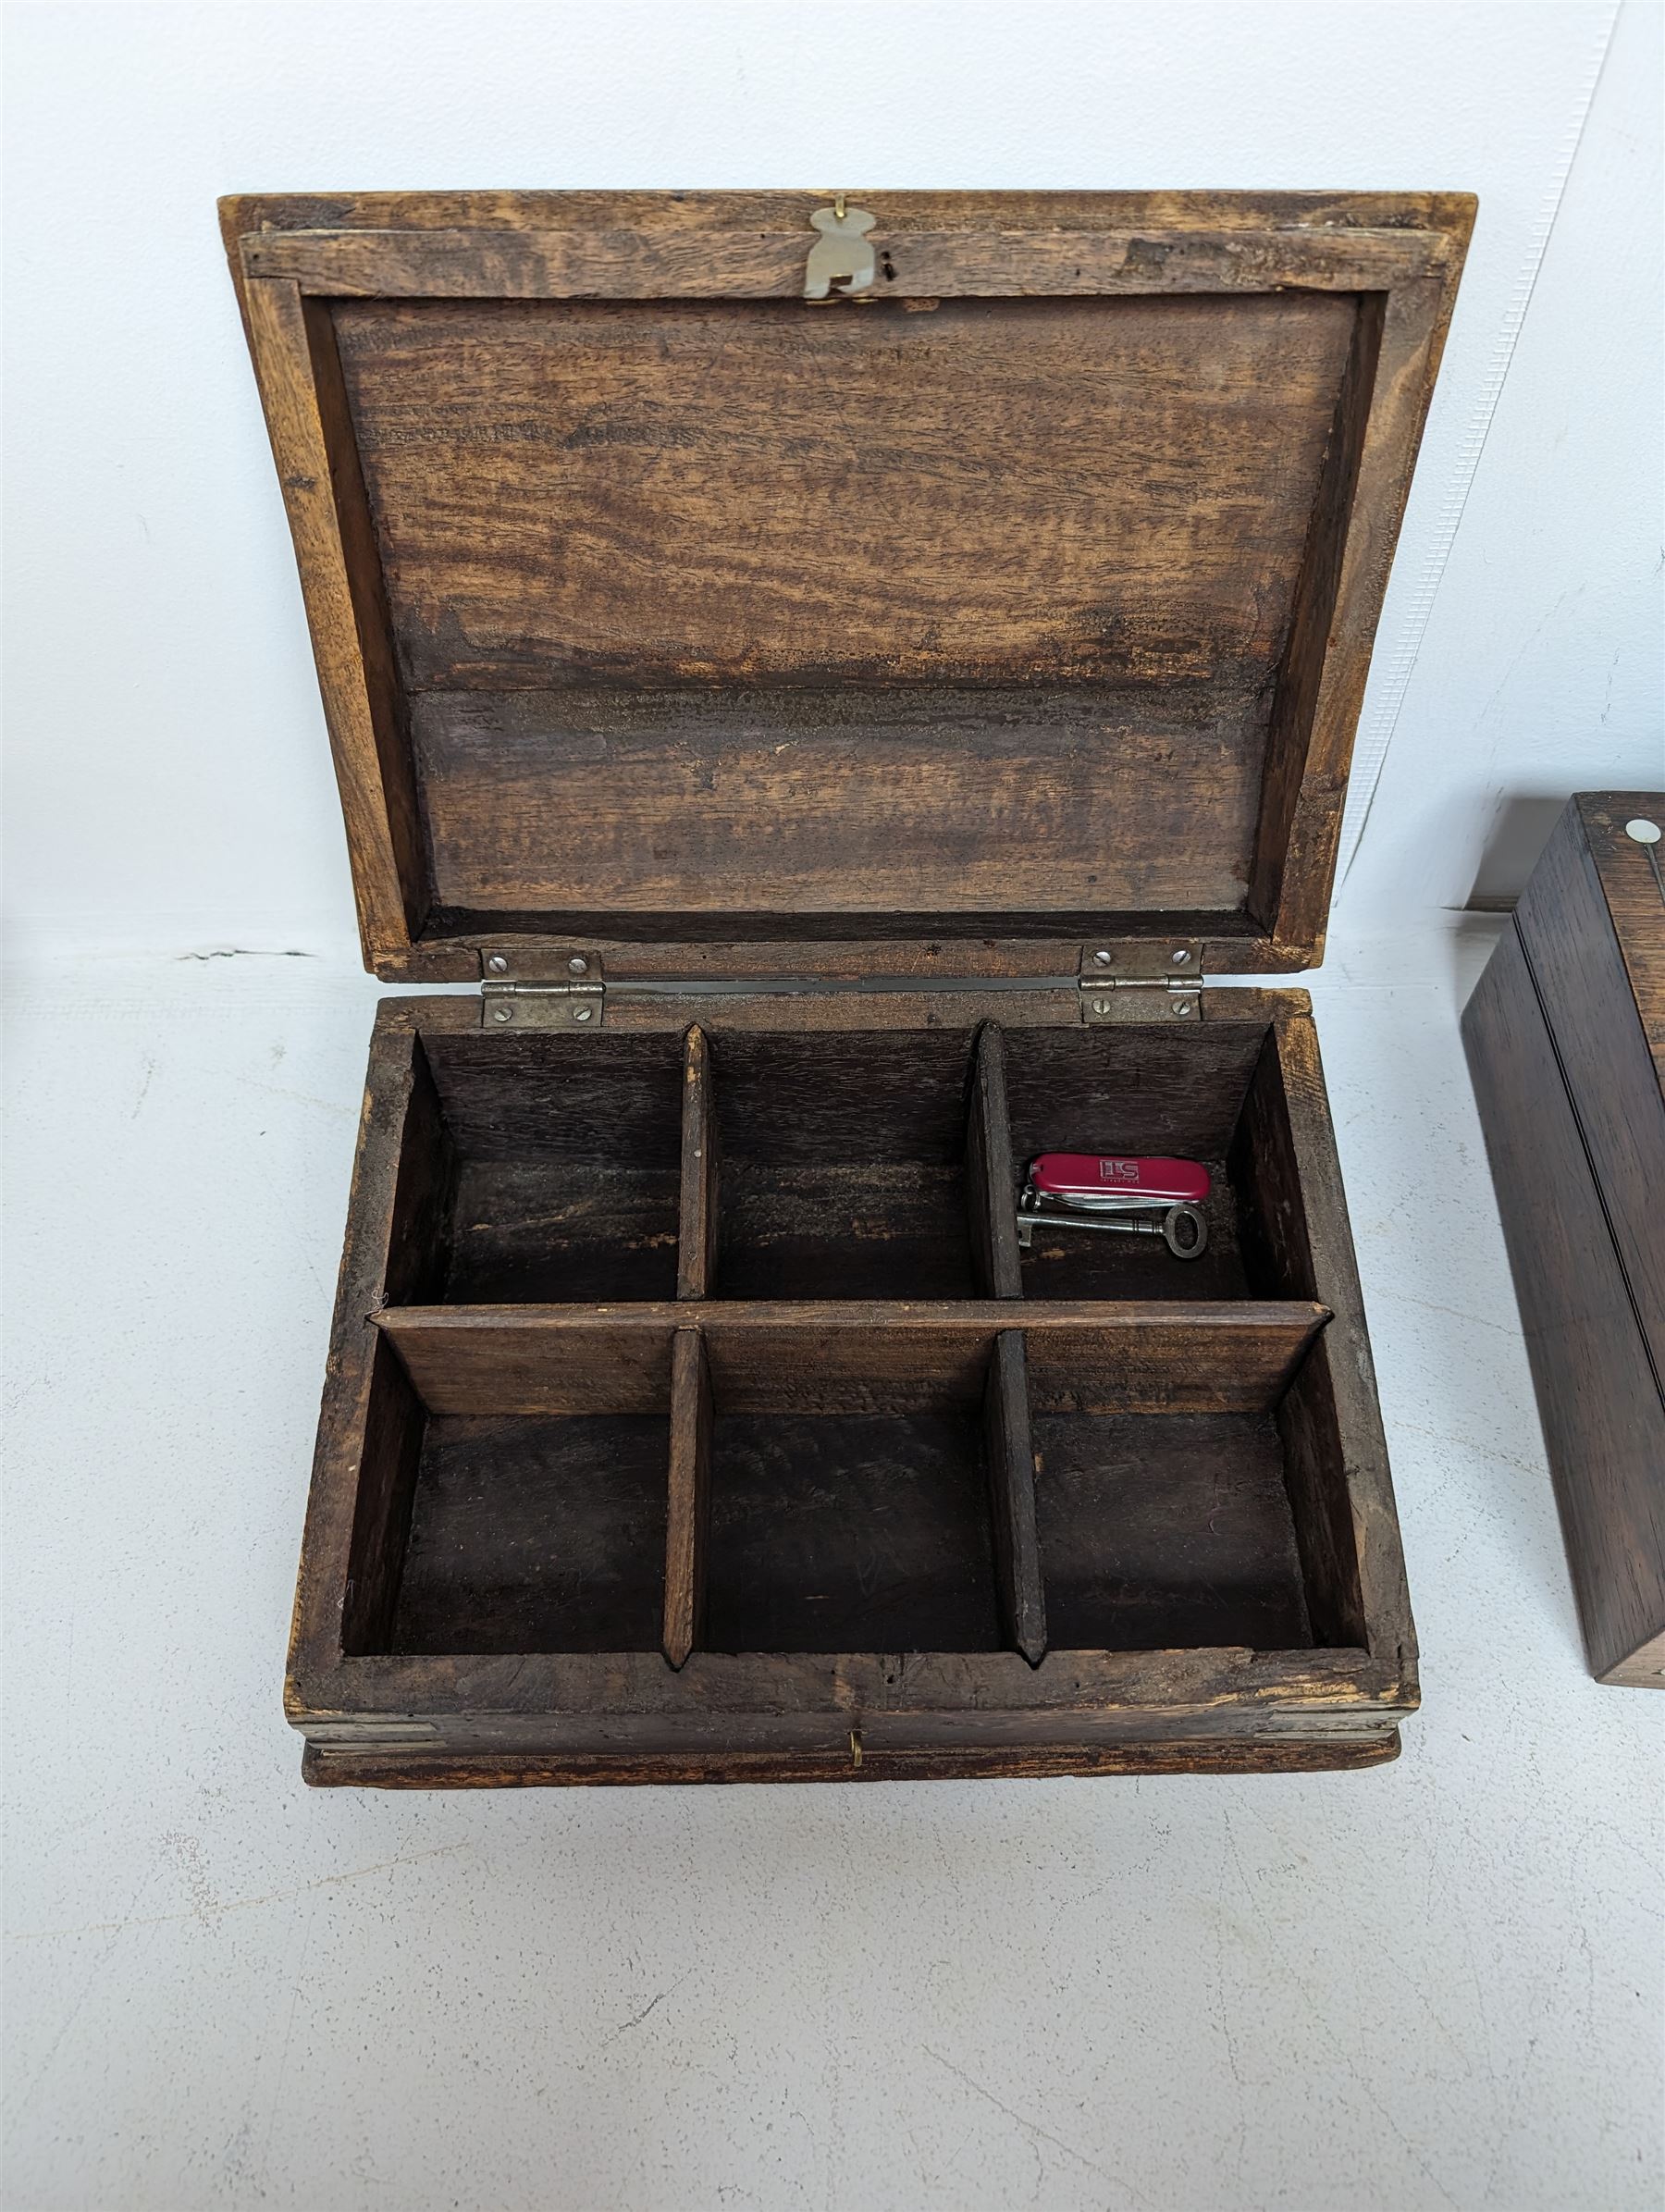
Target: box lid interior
pixel 1027 598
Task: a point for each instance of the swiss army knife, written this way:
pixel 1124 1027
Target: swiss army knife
pixel 1135 1196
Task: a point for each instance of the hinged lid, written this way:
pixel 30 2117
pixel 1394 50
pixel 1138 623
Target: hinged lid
pixel 924 583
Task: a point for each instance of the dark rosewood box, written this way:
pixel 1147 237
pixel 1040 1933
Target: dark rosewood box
pixel 1566 1043
pixel 842 740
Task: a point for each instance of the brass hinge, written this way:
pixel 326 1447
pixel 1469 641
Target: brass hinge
pixel 1118 980
pixel 577 1001
pixel 543 1006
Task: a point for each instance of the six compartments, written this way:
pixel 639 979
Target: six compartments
pixel 695 1411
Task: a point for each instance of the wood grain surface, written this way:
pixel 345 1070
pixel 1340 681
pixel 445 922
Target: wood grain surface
pixel 622 565
pixel 1631 888
pixel 1440 215
pixel 326 1768
pixel 736 491
pixel 854 1531
pixel 841 797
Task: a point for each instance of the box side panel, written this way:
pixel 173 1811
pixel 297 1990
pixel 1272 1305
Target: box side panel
pixel 1604 1422
pixel 368 1436
pixel 1331 1419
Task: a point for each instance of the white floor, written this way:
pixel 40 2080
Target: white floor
pixel 1438 1984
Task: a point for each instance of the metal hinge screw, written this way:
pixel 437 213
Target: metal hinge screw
pixel 502 1013
pixel 1101 1006
pixel 577 965
pixel 582 1013
pixel 1100 959
pixel 499 963
pixel 1183 957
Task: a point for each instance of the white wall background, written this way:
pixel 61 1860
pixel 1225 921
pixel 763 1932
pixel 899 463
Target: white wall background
pixel 168 780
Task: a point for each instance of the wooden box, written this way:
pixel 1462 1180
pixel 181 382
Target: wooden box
pixel 841 740
pixel 1566 1043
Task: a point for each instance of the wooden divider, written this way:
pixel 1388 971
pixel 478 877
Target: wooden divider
pixel 689 1512
pixel 991 1177
pixel 796 1355
pixel 1011 1470
pixel 700 1221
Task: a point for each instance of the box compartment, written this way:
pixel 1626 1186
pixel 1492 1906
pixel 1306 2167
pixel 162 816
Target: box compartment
pixel 536 1536
pixel 1209 1092
pixel 487 1531
pixel 852 1532
pixel 844 1169
pixel 1162 1531
pixel 550 1165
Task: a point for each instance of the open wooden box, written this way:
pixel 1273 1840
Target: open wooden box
pixel 842 740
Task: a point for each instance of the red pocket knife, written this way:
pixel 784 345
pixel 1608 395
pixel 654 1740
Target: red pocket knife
pixel 1133 1194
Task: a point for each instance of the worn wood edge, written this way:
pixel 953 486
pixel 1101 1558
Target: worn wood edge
pixel 914 960
pixel 1297 1316
pixel 688 1503
pixel 1148 1693
pixel 846 1011
pixel 1311 619
pixel 842 1011
pixel 722 259
pixel 324 1768
pixel 916 949
pixel 695 208
pixel 376 660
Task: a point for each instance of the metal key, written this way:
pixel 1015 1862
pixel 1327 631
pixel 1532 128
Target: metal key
pixel 1125 1194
